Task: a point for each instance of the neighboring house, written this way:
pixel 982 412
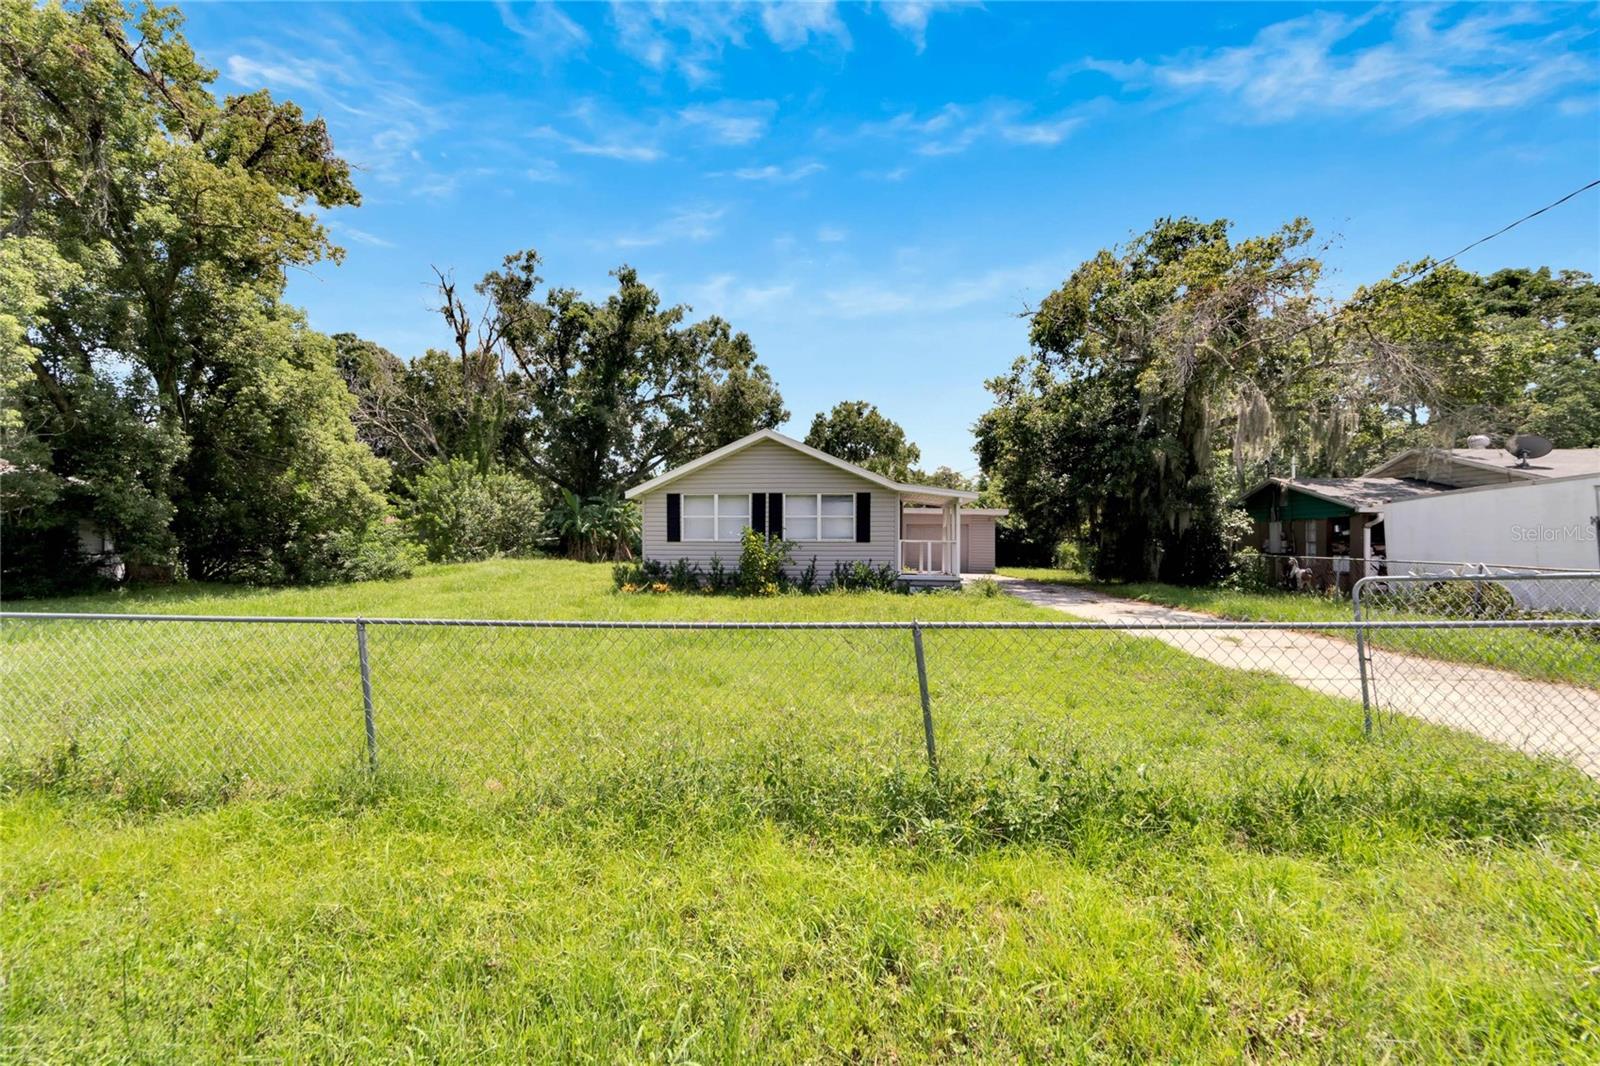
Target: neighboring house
pixel 1405 511
pixel 1549 523
pixel 834 512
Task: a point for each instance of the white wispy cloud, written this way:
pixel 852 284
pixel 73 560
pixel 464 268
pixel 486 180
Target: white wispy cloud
pixel 542 170
pixel 730 121
pixel 686 37
pixel 696 224
pixel 606 134
pixel 360 236
pixel 911 17
pixel 954 128
pixel 1003 290
pixel 727 295
pixel 612 148
pixel 1430 63
pixel 777 175
pixel 792 24
pixel 691 38
pixel 831 234
pixel 547 31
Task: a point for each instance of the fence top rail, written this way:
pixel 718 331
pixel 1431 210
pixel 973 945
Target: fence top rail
pixel 1382 560
pixel 1521 575
pixel 518 623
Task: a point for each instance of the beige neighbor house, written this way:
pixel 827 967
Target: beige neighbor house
pixel 834 512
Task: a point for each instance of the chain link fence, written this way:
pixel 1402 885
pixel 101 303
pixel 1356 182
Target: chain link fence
pixel 1423 672
pixel 1289 572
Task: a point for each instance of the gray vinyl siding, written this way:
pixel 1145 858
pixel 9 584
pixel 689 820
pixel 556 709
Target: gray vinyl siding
pixel 771 467
pixel 977 537
pixel 977 544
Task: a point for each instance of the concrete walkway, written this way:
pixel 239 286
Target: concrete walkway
pixel 1537 717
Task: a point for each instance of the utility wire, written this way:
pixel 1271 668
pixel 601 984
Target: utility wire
pixel 1434 264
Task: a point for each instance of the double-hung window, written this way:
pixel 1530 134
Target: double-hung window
pixel 715 516
pixel 819 516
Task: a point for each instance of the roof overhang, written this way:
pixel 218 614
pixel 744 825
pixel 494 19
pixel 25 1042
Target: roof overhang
pixel 920 493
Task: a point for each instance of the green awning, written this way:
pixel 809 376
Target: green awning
pixel 1295 506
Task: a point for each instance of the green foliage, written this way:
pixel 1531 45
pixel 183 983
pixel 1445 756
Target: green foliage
pixel 601 528
pixel 149 229
pixel 383 551
pixel 274 476
pixel 944 477
pixel 684 576
pixel 610 393
pixel 1563 401
pixel 859 433
pixel 761 563
pixel 862 576
pixel 1108 432
pixel 436 407
pixel 461 515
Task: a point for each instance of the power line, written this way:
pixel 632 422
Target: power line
pixel 1504 229
pixel 1434 264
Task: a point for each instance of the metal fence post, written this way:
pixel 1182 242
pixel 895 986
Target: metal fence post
pixel 366 695
pixel 1361 657
pixel 927 708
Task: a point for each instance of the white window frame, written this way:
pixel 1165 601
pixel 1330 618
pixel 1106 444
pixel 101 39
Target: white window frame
pixel 715 516
pixel 817 517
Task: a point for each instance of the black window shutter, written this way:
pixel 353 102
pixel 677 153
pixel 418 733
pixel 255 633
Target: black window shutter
pixel 758 512
pixel 863 517
pixel 775 513
pixel 674 517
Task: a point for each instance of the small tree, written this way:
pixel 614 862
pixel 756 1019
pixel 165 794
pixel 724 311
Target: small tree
pixel 761 563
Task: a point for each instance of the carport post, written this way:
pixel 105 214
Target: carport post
pixel 927 708
pixel 366 695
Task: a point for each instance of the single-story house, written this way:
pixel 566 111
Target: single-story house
pixel 834 512
pixel 1395 517
pixel 1331 525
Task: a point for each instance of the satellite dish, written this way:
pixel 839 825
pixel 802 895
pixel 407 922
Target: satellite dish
pixel 1527 446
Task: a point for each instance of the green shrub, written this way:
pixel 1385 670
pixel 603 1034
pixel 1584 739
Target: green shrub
pixel 864 577
pixel 462 515
pixel 719 578
pixel 1069 555
pixel 761 563
pixel 684 576
pixel 1250 571
pixel 382 551
pixel 1467 599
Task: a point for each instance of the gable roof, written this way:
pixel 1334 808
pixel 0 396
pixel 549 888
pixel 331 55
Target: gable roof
pixel 804 449
pixel 1561 462
pixel 1356 493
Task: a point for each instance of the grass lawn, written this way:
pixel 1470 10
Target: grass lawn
pixel 1542 656
pixel 697 846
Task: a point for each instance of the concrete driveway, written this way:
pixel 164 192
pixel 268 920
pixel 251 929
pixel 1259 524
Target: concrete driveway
pixel 1537 717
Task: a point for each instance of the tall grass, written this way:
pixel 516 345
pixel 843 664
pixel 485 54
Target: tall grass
pixel 729 847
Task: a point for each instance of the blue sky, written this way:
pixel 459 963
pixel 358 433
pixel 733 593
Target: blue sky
pixel 875 192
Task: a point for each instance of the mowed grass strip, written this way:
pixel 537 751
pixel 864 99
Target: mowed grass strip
pixel 728 846
pixel 1567 655
pixel 420 929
